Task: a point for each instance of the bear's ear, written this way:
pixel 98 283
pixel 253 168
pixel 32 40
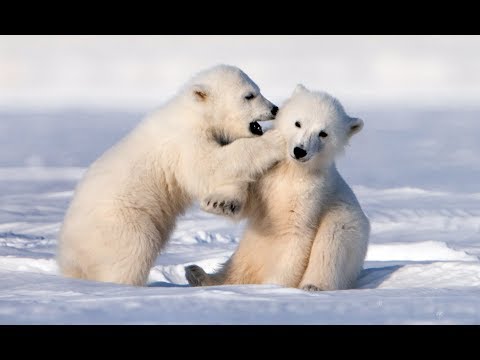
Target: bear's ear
pixel 200 92
pixel 299 89
pixel 355 125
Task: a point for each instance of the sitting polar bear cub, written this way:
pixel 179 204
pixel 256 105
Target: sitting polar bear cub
pixel 305 226
pixel 203 144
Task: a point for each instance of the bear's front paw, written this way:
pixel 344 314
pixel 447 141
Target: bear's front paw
pixel 220 206
pixel 195 275
pixel 311 287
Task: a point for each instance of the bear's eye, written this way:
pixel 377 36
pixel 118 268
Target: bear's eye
pixel 297 124
pixel 250 96
pixel 323 134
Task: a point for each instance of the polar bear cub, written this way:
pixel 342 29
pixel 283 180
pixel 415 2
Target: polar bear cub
pixel 305 226
pixel 204 143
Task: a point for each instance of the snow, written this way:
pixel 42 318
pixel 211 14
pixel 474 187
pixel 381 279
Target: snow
pixel 422 265
pixel 414 168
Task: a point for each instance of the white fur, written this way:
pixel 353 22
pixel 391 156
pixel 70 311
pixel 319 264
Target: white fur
pixel 199 143
pixel 305 227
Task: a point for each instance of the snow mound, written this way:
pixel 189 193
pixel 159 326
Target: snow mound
pixel 420 251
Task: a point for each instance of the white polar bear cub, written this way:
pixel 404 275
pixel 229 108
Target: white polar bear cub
pixel 200 145
pixel 305 226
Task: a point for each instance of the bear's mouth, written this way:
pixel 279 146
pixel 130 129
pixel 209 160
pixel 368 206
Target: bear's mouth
pixel 255 128
pixel 301 160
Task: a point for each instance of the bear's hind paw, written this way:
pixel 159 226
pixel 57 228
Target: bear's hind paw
pixel 195 275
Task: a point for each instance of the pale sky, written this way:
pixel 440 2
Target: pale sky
pixel 143 71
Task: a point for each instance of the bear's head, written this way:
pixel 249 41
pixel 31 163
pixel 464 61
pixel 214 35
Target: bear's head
pixel 230 102
pixel 315 127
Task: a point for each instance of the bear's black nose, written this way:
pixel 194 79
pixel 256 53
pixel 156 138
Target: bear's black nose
pixel 274 110
pixel 299 153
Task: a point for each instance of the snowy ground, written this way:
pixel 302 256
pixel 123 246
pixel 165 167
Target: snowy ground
pixel 414 173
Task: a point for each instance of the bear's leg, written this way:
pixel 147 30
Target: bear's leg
pixel 338 252
pixel 132 265
pixel 69 270
pixel 233 167
pixel 120 249
pixel 247 158
pixel 116 275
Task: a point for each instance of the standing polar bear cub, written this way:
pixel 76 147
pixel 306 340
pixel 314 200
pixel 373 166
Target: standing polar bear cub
pixel 204 144
pixel 305 226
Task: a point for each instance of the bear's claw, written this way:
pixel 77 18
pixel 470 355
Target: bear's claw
pixel 221 207
pixel 310 287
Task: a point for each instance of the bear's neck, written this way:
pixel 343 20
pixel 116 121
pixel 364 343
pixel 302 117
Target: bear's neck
pixel 305 169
